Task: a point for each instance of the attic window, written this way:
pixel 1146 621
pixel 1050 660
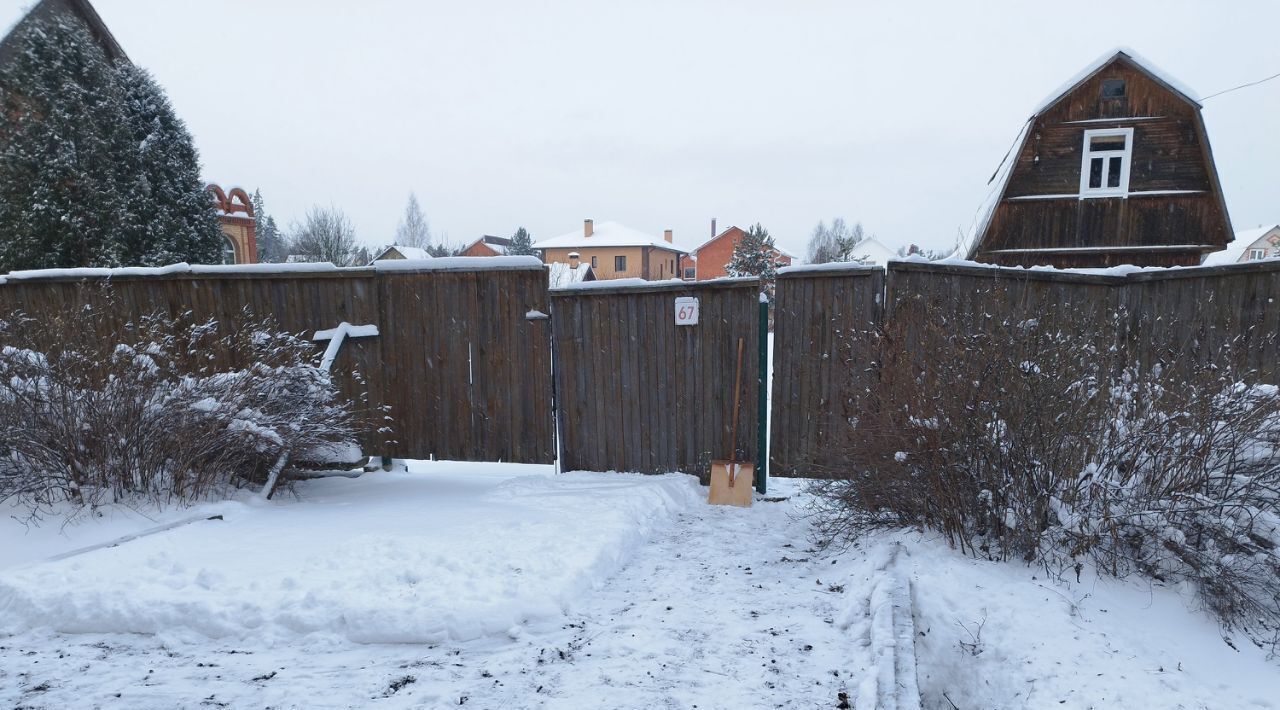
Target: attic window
pixel 1113 89
pixel 1104 170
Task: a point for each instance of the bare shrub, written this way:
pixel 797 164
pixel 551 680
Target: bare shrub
pixel 143 414
pixel 1016 440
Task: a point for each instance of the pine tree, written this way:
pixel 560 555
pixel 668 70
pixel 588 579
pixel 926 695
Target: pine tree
pixel 754 255
pixel 521 244
pixel 272 248
pixel 172 217
pixel 413 230
pixel 65 152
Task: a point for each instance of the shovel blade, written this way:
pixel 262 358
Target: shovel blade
pixel 731 483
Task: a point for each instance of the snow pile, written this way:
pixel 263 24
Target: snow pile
pixel 390 557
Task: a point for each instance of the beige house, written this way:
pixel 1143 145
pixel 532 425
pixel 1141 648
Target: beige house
pixel 616 252
pixel 1249 245
pixel 400 251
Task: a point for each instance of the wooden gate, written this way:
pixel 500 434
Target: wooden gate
pixel 637 392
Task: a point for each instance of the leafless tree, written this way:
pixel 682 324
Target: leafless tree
pixel 413 230
pixel 326 234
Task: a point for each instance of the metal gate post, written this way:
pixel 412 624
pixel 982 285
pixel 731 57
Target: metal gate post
pixel 762 397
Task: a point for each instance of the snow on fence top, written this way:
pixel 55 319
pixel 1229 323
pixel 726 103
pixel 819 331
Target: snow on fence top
pixel 458 263
pixel 1112 273
pixel 841 266
pixel 642 284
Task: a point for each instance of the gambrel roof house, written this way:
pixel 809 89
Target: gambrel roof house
pixel 1249 245
pixel 1114 168
pixel 488 245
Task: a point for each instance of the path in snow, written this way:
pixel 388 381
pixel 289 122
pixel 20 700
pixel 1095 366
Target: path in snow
pixel 724 608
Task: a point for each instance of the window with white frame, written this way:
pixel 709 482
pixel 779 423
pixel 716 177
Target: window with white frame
pixel 1255 254
pixel 1104 171
pixel 228 250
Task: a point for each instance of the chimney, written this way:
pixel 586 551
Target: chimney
pixel 587 228
pixel 713 227
pixel 666 234
pixel 573 259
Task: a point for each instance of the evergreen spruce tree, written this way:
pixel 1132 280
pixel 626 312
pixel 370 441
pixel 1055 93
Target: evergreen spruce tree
pixel 272 247
pixel 754 255
pixel 172 218
pixel 65 151
pixel 521 244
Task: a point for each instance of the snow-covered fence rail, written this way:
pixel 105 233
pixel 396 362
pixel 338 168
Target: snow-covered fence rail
pixel 465 375
pixel 645 386
pixel 829 322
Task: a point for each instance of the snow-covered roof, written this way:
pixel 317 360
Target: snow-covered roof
pixel 406 252
pixel 1236 247
pixel 607 234
pixel 872 251
pixel 1093 67
pixel 981 218
pixel 561 275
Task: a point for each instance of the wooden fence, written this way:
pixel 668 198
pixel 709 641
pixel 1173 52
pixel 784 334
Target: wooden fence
pixel 825 347
pixel 818 317
pixel 637 392
pixel 465 374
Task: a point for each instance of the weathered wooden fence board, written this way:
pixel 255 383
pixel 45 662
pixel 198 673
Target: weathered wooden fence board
pixel 1180 319
pixel 820 323
pixel 466 375
pixel 638 393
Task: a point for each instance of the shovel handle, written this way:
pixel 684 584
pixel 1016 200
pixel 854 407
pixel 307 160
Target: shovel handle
pixel 737 394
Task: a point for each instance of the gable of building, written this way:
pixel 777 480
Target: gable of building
pixel 1115 168
pixel 79 10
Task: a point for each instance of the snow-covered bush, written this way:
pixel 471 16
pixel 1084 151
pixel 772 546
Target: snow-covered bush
pixel 144 413
pixel 1019 441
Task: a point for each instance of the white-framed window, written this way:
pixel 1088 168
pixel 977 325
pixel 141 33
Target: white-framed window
pixel 1255 254
pixel 228 251
pixel 1104 170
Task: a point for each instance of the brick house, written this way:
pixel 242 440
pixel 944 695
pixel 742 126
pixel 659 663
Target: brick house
pixel 712 258
pixel 80 10
pixel 239 228
pixel 616 252
pixel 400 251
pixel 487 246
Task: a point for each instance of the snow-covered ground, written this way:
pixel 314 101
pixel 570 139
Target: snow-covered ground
pixel 499 586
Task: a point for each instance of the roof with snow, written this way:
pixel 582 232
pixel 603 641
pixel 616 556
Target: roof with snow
pixel 497 244
pixel 721 235
pixel 1237 247
pixel 607 234
pixel 561 275
pixel 966 245
pixel 404 252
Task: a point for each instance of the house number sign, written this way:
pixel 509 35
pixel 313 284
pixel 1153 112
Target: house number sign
pixel 687 310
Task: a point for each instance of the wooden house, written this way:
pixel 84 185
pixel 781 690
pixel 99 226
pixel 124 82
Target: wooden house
pixel 487 245
pixel 711 259
pixel 45 10
pixel 616 252
pixel 1114 168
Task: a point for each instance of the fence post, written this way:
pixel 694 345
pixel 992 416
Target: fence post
pixel 762 398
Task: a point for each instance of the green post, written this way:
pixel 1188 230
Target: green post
pixel 762 416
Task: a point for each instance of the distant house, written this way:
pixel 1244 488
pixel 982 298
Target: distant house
pixel 616 252
pixel 1114 168
pixel 713 256
pixel 487 246
pixel 576 271
pixel 872 251
pixel 239 227
pixel 79 10
pixel 398 251
pixel 1249 245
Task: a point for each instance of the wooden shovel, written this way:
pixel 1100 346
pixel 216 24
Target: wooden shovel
pixel 732 481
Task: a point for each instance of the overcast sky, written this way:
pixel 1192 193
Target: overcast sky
pixel 666 114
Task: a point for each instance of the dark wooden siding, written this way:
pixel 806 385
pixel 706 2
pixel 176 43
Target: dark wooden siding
pixel 1170 153
pixel 467 377
pixel 822 321
pixel 638 393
